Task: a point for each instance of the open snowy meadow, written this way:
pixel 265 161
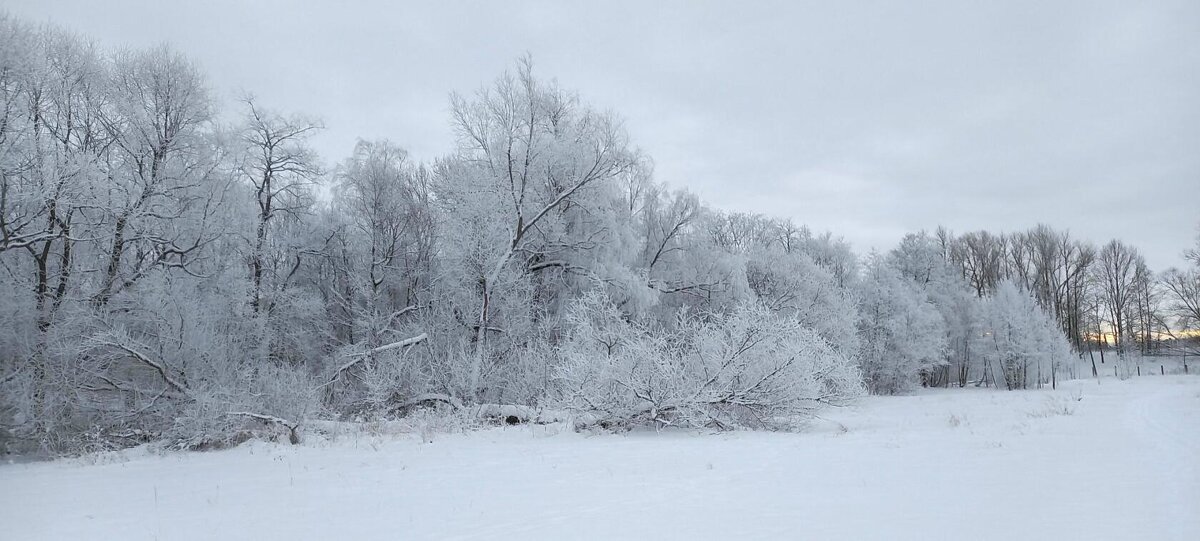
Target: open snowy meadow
pixel 1114 460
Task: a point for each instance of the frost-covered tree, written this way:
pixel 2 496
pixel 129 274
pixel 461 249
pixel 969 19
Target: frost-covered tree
pixel 533 163
pixel 794 286
pixel 278 168
pixel 163 194
pixel 381 260
pixel 121 269
pixel 1025 345
pixel 902 333
pixel 1056 268
pixel 922 260
pixel 830 252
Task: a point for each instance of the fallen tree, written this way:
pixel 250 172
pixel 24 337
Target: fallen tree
pixel 293 435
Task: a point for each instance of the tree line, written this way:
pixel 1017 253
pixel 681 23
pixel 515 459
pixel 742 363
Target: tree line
pixel 169 276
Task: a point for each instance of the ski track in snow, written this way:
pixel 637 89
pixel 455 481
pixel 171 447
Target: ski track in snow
pixel 1151 419
pixel 940 464
pixel 1149 415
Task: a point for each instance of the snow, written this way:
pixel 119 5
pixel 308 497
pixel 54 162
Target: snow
pixel 940 464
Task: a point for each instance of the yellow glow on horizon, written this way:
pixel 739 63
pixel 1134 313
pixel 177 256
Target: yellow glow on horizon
pixel 1111 338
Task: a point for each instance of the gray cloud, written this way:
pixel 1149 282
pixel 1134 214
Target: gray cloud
pixel 869 119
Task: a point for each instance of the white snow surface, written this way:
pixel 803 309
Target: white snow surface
pixel 939 464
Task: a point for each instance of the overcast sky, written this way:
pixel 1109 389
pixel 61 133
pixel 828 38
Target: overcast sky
pixel 867 119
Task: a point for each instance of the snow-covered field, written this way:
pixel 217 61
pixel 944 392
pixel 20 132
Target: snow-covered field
pixel 1111 461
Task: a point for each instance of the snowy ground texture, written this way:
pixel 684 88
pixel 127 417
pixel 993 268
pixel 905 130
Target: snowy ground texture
pixel 1116 460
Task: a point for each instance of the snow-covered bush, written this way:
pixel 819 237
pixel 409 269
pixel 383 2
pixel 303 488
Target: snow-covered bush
pixel 1057 405
pixel 748 368
pixel 202 394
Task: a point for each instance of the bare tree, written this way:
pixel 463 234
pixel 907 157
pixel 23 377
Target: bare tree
pixel 981 256
pixel 1182 290
pixel 1118 266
